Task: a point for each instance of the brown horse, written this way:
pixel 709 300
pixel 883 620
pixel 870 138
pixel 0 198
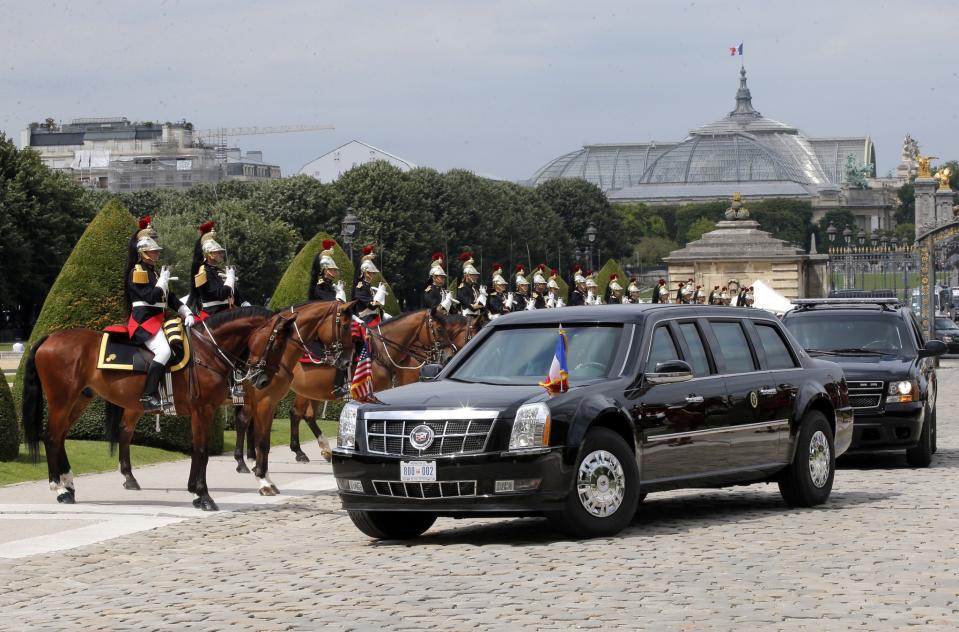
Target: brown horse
pixel 63 366
pixel 400 347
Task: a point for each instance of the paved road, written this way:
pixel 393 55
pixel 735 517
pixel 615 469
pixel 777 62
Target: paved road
pixel 880 556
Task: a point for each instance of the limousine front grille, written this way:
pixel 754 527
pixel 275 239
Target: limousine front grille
pixel 441 489
pixel 450 436
pixel 864 395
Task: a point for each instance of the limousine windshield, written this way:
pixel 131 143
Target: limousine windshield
pixel 523 355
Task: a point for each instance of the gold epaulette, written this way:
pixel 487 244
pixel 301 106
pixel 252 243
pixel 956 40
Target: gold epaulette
pixel 199 279
pixel 140 275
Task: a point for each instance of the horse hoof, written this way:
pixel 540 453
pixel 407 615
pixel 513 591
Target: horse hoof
pixel 67 498
pixel 207 504
pixel 242 468
pixel 196 502
pixel 327 455
pixel 267 491
pixel 302 458
pixel 276 490
pixel 131 483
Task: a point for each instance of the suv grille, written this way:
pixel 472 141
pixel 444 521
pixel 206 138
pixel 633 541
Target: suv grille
pixel 441 489
pixel 450 436
pixel 865 394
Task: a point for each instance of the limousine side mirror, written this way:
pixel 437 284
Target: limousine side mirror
pixel 933 348
pixel 430 371
pixel 670 372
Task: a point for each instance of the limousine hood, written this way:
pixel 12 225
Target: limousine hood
pixel 453 394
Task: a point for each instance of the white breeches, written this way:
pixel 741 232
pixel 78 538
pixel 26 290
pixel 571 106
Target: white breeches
pixel 160 347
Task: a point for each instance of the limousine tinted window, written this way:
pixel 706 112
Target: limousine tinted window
pixel 777 355
pixel 662 348
pixel 697 351
pixel 733 346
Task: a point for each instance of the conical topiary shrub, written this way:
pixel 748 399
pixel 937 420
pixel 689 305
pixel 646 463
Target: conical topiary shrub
pixel 89 294
pixel 294 285
pixel 602 278
pixel 9 428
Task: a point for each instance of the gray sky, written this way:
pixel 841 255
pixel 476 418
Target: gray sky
pixel 496 87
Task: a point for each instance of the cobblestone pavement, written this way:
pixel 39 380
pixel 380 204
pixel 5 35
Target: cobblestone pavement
pixel 881 555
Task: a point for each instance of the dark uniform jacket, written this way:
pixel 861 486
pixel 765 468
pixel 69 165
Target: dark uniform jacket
pixel 497 303
pixel 148 302
pixel 467 294
pixel 741 299
pixel 520 301
pixel 323 290
pixel 539 300
pixel 576 298
pixel 363 295
pixel 212 292
pixel 713 298
pixel 432 296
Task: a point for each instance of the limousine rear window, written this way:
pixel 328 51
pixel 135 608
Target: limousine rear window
pixel 522 355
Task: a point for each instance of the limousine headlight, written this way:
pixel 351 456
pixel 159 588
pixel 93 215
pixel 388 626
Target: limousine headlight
pixel 346 436
pixel 530 427
pixel 902 392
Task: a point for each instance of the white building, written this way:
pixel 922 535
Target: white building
pixel 331 165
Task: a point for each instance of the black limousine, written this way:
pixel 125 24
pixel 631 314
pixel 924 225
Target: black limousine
pixel 660 397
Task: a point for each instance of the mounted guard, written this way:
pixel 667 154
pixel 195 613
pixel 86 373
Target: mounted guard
pixel 325 283
pixel 592 290
pixel 577 295
pixel 539 287
pixel 501 300
pixel 213 285
pixel 615 289
pixel 148 296
pixel 471 296
pixel 435 295
pixel 661 292
pixel 369 300
pixel 553 298
pixel 633 292
pixel 523 299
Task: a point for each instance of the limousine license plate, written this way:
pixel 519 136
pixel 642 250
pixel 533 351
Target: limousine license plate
pixel 418 471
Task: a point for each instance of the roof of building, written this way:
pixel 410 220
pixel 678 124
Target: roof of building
pixel 406 162
pixel 742 148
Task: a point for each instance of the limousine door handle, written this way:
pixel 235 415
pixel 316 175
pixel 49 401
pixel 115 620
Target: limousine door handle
pixel 694 399
pixel 767 391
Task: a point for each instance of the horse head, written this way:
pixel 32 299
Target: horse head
pixel 267 344
pixel 457 330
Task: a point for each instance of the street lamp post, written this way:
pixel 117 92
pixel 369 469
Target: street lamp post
pixel 348 228
pixel 831 235
pixel 590 238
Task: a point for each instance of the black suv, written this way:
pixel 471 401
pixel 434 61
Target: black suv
pixel 660 397
pixel 889 368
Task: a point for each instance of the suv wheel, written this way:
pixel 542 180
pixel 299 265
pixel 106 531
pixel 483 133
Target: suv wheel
pixel 605 490
pixel 807 481
pixel 392 525
pixel 921 455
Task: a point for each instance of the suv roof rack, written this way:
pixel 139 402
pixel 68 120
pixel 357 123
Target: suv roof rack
pixel 886 304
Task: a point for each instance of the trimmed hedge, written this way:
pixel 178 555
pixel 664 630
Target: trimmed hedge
pixel 88 294
pixel 9 428
pixel 294 285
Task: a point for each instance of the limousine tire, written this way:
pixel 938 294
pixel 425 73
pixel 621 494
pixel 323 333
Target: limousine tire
pixel 921 455
pixel 392 525
pixel 605 488
pixel 807 481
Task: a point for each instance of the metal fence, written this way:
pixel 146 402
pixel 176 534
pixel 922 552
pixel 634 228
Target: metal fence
pixel 882 267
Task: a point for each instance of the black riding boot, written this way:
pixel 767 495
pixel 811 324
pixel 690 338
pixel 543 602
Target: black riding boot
pixel 340 387
pixel 151 389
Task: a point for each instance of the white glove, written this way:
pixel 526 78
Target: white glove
pixel 245 304
pixel 186 315
pixel 163 281
pixel 551 301
pixel 590 297
pixel 510 300
pixel 530 303
pixel 230 281
pixel 447 302
pixel 386 316
pixel 560 303
pixel 380 297
pixel 340 292
pixel 482 291
pixel 482 298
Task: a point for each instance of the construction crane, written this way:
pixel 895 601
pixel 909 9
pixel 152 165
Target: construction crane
pixel 218 136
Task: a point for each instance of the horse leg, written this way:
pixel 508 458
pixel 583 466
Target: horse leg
pixel 201 421
pixel 130 418
pixel 58 465
pixel 262 424
pixel 325 450
pixel 296 413
pixel 240 421
pixel 250 447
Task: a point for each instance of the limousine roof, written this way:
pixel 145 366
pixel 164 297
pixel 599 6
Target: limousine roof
pixel 626 313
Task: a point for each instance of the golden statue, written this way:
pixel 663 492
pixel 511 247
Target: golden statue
pixel 943 176
pixel 924 165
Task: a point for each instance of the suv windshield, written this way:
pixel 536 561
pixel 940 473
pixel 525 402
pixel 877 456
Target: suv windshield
pixel 851 333
pixel 523 356
pixel 946 323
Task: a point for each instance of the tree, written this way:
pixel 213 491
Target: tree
pixel 905 233
pixel 841 219
pixel 638 221
pixel 9 428
pixel 301 201
pixel 906 213
pixel 579 204
pixel 652 250
pixel 294 286
pixel 689 214
pixel 789 220
pixel 42 213
pixel 699 228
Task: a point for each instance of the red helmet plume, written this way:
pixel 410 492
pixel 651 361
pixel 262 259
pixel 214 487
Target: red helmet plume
pixel 613 276
pixel 328 244
pixel 466 256
pixel 206 227
pixel 553 272
pixel 145 221
pixel 437 256
pixel 497 266
pixel 633 279
pixel 541 267
pixel 519 267
pixel 577 268
pixel 368 249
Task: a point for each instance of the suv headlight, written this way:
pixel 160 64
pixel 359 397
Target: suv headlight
pixel 902 391
pixel 530 427
pixel 346 436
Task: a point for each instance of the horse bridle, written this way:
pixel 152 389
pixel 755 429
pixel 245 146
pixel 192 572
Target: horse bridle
pixel 430 354
pixel 333 351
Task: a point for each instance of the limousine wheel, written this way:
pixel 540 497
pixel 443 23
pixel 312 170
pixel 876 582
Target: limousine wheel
pixel 807 481
pixel 392 525
pixel 921 455
pixel 605 489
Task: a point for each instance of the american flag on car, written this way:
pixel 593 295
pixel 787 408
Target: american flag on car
pixel 361 389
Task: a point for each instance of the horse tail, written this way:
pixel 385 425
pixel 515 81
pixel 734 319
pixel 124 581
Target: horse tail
pixel 32 408
pixel 112 417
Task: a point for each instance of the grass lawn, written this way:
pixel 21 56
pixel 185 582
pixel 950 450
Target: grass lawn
pixel 6 346
pixel 94 456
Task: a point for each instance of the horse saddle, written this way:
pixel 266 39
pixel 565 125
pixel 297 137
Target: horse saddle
pixel 118 353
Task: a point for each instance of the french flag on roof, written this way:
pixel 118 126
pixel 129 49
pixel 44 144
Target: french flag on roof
pixel 736 50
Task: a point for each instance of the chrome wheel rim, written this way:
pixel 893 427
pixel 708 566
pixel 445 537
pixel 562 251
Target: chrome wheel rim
pixel 819 458
pixel 601 484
